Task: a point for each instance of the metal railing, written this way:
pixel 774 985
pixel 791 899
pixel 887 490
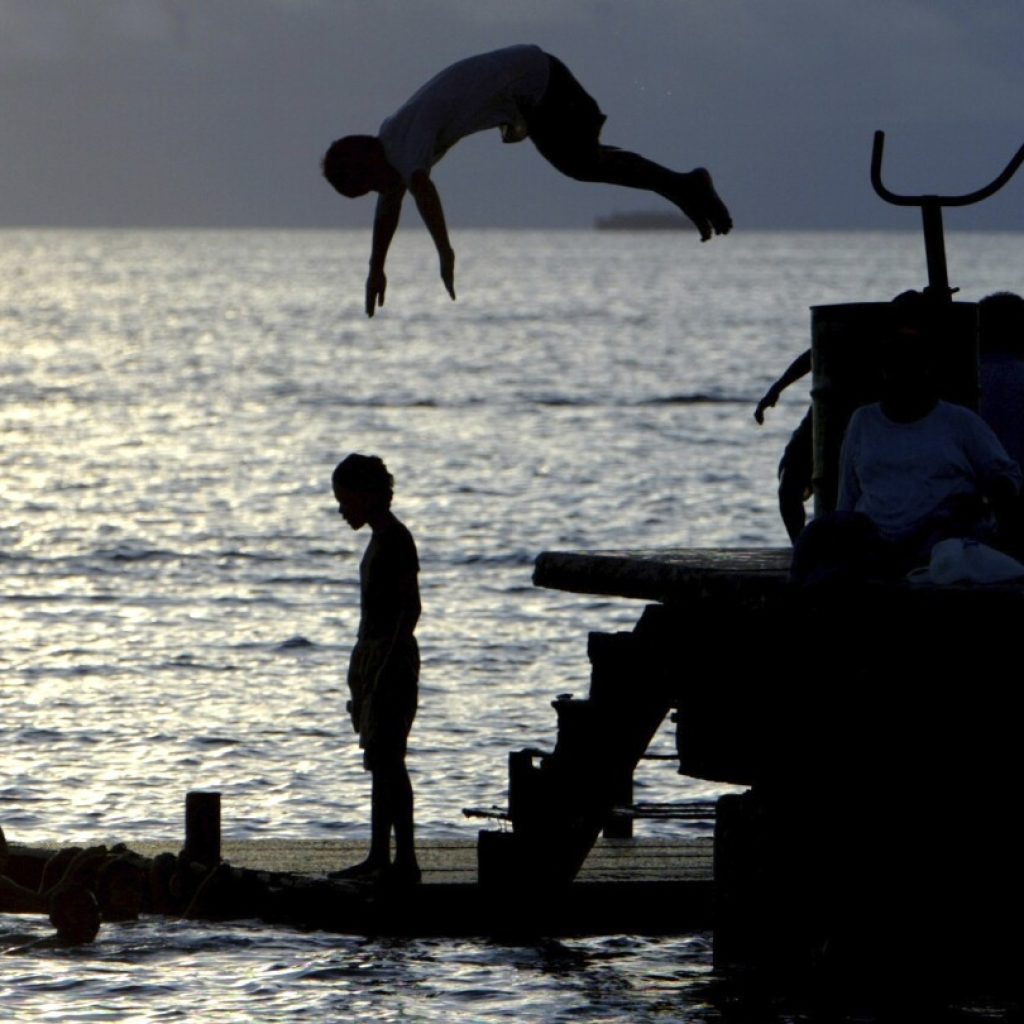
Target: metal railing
pixel 931 213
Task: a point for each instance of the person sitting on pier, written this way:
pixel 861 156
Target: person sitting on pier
pixel 914 470
pixel 384 667
pixel 526 93
pixel 1001 375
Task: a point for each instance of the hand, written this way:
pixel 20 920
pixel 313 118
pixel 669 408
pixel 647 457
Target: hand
pixel 375 285
pixel 767 402
pixel 448 271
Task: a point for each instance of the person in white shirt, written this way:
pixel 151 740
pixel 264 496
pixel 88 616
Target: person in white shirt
pixel 914 470
pixel 526 93
pixel 919 468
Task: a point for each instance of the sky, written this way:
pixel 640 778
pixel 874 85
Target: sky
pixel 216 112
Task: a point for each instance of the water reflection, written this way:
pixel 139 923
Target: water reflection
pixel 171 405
pixel 145 969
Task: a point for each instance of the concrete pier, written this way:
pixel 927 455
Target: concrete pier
pixel 645 886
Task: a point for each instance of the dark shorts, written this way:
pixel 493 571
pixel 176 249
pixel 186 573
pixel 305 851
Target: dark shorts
pixel 796 467
pixel 565 125
pixel 384 698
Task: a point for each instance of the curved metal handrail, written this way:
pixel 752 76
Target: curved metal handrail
pixel 966 200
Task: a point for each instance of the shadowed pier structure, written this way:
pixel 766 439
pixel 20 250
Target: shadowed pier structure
pixel 875 728
pixel 873 732
pixel 559 802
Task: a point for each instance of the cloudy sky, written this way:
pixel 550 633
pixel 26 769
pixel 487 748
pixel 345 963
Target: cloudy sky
pixel 216 112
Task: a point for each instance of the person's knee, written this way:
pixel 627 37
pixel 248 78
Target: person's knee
pixel 793 493
pixel 583 169
pixel 386 764
pixel 578 166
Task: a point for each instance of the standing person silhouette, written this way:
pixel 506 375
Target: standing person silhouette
pixel 384 667
pixel 526 93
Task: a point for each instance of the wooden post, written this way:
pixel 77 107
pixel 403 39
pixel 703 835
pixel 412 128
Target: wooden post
pixel 202 827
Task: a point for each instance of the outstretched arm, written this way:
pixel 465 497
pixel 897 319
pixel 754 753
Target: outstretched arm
pixel 796 369
pixel 408 599
pixel 385 221
pixel 428 202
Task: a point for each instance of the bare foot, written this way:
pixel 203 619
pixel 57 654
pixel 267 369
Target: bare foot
pixel 403 874
pixel 701 203
pixel 364 869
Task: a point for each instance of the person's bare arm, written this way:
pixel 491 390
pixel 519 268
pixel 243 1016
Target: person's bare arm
pixel 409 609
pixel 405 624
pixel 385 222
pixel 428 202
pixel 796 369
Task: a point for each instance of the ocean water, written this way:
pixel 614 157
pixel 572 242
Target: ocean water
pixel 178 594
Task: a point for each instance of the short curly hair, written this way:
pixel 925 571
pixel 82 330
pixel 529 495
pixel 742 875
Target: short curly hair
pixel 364 473
pixel 344 155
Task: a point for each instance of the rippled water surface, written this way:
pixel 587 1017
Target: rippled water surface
pixel 178 594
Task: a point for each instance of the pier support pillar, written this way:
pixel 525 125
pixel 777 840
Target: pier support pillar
pixel 202 827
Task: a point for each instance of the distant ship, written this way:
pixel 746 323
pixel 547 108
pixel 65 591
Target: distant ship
pixel 642 220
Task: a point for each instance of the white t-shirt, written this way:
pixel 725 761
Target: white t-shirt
pixel 900 474
pixel 475 94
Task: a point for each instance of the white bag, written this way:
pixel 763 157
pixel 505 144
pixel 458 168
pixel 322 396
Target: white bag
pixel 960 560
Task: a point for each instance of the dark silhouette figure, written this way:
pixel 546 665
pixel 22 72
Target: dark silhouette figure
pixel 526 93
pixel 383 671
pixel 796 468
pixel 914 470
pixel 1001 375
pixel 1001 368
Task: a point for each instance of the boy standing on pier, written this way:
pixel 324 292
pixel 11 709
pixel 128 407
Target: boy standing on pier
pixel 384 668
pixel 526 93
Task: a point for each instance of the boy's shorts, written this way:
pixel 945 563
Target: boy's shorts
pixel 797 463
pixel 384 699
pixel 565 125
